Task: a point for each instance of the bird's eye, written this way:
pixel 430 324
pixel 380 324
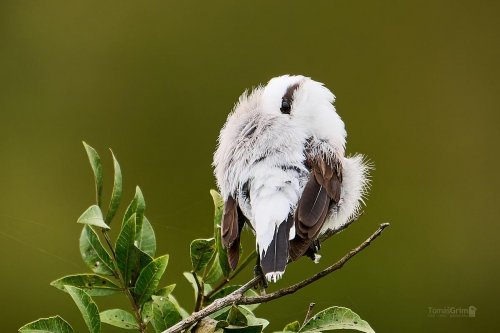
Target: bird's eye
pixel 285 106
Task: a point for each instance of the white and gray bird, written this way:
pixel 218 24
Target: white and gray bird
pixel 280 165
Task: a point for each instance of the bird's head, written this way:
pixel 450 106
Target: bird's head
pixel 307 103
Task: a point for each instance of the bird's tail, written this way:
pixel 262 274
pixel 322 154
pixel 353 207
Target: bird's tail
pixel 273 260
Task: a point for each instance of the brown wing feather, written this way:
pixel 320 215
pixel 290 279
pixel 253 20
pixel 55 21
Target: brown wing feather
pixel 231 226
pixel 321 191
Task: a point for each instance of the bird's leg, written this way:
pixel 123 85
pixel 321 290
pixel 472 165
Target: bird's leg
pixel 257 271
pixel 312 251
pixel 317 244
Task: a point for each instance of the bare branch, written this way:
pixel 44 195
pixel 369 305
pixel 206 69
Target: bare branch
pixel 237 297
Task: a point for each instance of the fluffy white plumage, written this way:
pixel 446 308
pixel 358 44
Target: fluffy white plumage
pixel 260 158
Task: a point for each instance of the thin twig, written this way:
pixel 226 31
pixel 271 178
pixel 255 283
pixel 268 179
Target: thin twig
pixel 199 295
pixel 118 275
pixel 309 313
pixel 237 297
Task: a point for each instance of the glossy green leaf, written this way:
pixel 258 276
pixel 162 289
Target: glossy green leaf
pixel 201 252
pixel 94 285
pixel 254 321
pixel 147 311
pixel 336 318
pixel 119 318
pixel 47 325
pixel 95 163
pixel 138 261
pixel 222 314
pixel 94 254
pixel 124 249
pixel 116 195
pixel 87 307
pixel 189 276
pixel 179 308
pixel 294 326
pixel 137 207
pixel 149 278
pixel 165 313
pixel 165 291
pixel 222 252
pixel 93 216
pixel 145 238
pixel 215 272
pixel 236 317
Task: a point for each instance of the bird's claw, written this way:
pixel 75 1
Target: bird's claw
pixel 262 286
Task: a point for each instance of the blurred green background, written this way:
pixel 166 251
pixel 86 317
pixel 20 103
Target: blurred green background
pixel 416 83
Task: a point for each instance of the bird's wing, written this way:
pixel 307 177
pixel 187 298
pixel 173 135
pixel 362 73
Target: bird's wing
pixel 320 192
pixel 231 226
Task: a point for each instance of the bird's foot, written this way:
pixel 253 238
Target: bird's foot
pixel 312 251
pixel 262 286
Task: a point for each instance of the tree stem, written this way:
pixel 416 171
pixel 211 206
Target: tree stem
pixel 118 275
pixel 200 293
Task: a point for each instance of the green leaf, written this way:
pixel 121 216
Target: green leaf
pixel 119 318
pixel 87 307
pixel 95 163
pixel 336 318
pixel 93 216
pixel 201 252
pixel 138 261
pixel 223 313
pixel 215 273
pixel 179 308
pixel 116 196
pixel 145 237
pixel 254 321
pixel 94 254
pixel 222 252
pixel 149 278
pixel 94 285
pixel 189 276
pixel 47 325
pixel 165 291
pixel 137 207
pixel 251 318
pixel 294 326
pixel 236 317
pixel 125 251
pixel 147 311
pixel 165 314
